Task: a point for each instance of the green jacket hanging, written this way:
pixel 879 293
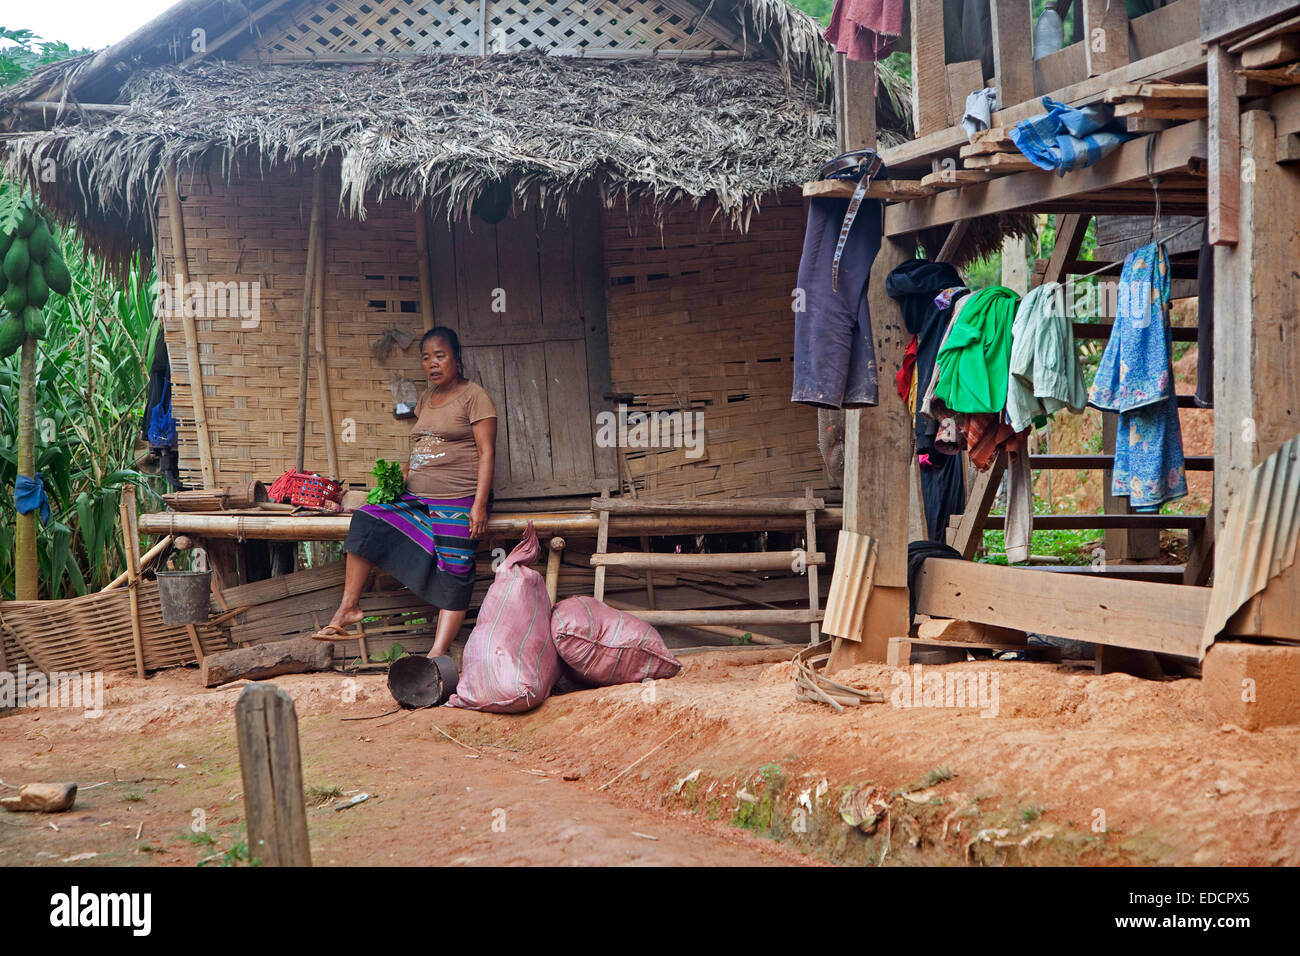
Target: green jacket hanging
pixel 974 359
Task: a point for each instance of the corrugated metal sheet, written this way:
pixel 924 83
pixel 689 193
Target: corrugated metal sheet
pixel 846 604
pixel 1259 537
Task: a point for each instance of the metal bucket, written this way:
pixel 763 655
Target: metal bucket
pixel 418 681
pixel 184 596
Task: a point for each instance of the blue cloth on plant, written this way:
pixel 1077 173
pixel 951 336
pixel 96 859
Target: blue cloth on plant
pixel 1135 379
pixel 1067 137
pixel 29 494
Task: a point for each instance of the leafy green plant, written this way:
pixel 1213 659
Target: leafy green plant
pixel 394 652
pixel 390 484
pixel 746 638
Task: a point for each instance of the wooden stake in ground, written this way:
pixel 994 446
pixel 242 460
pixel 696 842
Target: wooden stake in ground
pixel 270 764
pixel 130 541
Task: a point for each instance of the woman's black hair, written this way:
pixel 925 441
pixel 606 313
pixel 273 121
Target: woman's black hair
pixel 452 340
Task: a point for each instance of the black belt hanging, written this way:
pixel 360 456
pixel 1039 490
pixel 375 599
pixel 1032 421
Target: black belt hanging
pixel 859 164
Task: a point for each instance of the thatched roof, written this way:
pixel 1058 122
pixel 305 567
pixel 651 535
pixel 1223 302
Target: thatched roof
pixel 442 128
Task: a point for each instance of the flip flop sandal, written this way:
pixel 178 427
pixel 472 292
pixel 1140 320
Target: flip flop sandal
pixel 332 632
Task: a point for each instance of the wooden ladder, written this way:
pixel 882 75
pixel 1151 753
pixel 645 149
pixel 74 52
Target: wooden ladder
pixel 722 621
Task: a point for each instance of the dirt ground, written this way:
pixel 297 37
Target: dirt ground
pixel 721 765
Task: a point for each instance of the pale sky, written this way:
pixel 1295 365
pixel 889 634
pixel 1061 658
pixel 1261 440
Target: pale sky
pixel 80 23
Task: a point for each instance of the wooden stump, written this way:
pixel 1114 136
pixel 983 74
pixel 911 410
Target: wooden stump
pixel 300 655
pixel 270 764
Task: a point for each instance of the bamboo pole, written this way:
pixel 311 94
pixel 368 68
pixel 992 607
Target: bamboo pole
pixel 810 532
pixel 180 270
pixel 734 561
pixel 553 566
pixel 130 539
pixel 424 266
pixel 145 558
pixel 27 574
pixel 278 527
pixel 322 358
pixel 304 338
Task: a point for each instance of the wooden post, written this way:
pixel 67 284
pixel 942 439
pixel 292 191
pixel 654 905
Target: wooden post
pixel 1122 544
pixel 810 542
pixel 270 764
pixel 130 541
pixel 1224 140
pixel 1105 35
pixel 304 338
pixel 929 70
pixel 1257 353
pixel 322 359
pixel 855 103
pixel 553 566
pixel 424 266
pixel 877 441
pixel 180 272
pixel 602 544
pixel 1013 56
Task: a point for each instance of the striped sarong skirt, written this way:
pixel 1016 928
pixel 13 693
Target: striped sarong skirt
pixel 423 542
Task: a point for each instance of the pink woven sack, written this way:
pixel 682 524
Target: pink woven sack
pixel 510 663
pixel 606 646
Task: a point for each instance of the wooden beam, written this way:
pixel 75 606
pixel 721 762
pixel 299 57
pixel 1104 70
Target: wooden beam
pixel 1013 46
pixel 304 336
pixel 963 79
pixel 1225 149
pixel 855 103
pixel 730 506
pixel 323 361
pixel 1070 230
pixel 929 71
pixel 741 561
pixel 1167 618
pixel 956 235
pixel 1023 191
pixel 970 531
pixel 180 273
pixel 1105 35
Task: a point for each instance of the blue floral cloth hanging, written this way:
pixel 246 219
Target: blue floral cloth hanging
pixel 1135 379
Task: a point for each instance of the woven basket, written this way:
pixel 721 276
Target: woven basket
pixel 307 490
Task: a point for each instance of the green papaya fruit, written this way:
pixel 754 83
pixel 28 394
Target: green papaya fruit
pixel 57 275
pixel 15 298
pixel 4 282
pixel 27 223
pixel 17 260
pixel 11 335
pixel 40 242
pixel 34 322
pixel 6 240
pixel 38 291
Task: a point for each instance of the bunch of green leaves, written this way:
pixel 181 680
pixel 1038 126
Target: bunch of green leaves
pixel 390 484
pixel 22 52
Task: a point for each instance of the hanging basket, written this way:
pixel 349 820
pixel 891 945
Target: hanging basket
pixel 308 490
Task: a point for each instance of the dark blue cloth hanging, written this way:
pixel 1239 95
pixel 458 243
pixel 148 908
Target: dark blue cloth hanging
pixel 29 495
pixel 162 426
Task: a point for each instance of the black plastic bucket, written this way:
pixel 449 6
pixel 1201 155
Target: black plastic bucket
pixel 417 681
pixel 184 596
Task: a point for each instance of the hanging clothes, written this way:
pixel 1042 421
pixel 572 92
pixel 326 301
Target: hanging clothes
pixel 1135 379
pixel 1044 367
pixel 974 360
pixel 866 29
pixel 834 350
pixel 925 292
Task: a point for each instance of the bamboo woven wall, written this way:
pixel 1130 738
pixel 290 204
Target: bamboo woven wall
pixel 699 319
pixel 256 231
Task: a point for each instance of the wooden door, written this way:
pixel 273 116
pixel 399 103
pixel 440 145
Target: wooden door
pixel 526 296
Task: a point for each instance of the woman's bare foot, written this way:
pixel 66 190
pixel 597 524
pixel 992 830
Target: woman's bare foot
pixel 347 615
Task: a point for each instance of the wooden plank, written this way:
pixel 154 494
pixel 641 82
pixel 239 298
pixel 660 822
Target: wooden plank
pixel 1166 618
pixel 969 533
pixel 1225 19
pixel 929 72
pixel 956 235
pixel 895 189
pixel 1105 35
pixel 1000 163
pixel 1070 231
pixel 270 765
pixel 1289 25
pixel 954 178
pixel 727 506
pixel 527 412
pixel 1178 61
pixel 585 218
pixel 1082 462
pixel 1103 521
pixel 1171 25
pixel 1013 46
pixel 1022 191
pixel 1060 68
pixel 567 397
pixel 964 78
pixel 756 615
pixel 855 103
pixel 1225 149
pixel 1282 49
pixel 487 363
pixel 442 273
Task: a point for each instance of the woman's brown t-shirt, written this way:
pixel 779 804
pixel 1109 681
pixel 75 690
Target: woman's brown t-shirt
pixel 444 457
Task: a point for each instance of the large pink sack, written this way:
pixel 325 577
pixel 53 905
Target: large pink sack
pixel 510 663
pixel 606 646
